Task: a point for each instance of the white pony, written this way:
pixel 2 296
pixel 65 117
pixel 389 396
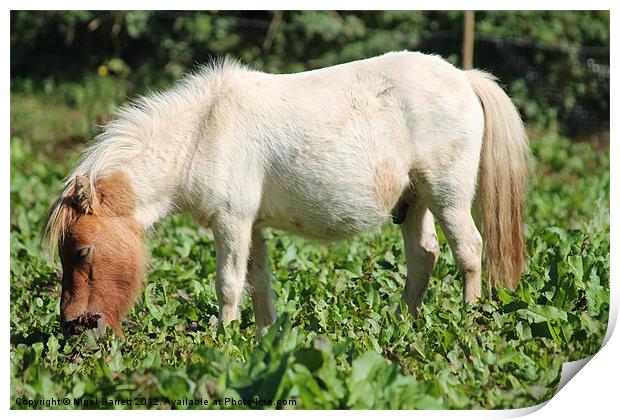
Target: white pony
pixel 325 154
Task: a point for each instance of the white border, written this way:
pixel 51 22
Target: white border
pixel 593 393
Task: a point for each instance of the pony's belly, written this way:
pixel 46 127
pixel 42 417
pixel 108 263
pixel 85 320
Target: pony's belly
pixel 331 188
pixel 326 229
pixel 334 212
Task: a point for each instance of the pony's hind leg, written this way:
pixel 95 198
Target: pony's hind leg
pixel 466 244
pixel 232 246
pixel 449 191
pixel 422 250
pixel 259 281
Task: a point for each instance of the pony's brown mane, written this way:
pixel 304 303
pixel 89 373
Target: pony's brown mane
pixel 60 217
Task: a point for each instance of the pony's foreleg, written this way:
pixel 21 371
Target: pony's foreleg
pixel 259 281
pixel 232 246
pixel 422 250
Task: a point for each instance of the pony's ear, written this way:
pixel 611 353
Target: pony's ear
pixel 83 196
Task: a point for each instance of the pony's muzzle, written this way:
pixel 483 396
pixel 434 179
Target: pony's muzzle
pixel 80 324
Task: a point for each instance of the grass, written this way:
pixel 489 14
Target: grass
pixel 338 342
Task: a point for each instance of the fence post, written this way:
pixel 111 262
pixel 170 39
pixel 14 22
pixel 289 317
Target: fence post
pixel 468 40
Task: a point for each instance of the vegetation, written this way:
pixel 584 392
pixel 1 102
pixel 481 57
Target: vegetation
pixel 555 64
pixel 338 342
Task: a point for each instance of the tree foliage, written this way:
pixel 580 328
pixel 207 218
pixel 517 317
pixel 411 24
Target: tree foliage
pixel 555 64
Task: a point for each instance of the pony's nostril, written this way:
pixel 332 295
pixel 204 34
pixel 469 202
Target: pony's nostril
pixel 67 328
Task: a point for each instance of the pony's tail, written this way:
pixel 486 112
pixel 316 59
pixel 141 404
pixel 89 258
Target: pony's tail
pixel 500 195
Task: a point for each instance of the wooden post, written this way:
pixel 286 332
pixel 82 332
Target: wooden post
pixel 271 31
pixel 468 40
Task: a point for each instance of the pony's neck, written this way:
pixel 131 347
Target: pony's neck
pixel 158 172
pixel 153 141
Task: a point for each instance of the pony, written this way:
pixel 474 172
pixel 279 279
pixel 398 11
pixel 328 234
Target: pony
pixel 325 154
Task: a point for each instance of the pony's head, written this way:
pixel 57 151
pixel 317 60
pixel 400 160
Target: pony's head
pixel 101 251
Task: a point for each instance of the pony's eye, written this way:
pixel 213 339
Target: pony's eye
pixel 84 252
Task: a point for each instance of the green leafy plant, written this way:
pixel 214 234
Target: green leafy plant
pixel 338 342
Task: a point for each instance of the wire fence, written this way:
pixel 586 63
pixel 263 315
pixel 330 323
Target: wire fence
pixel 573 82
